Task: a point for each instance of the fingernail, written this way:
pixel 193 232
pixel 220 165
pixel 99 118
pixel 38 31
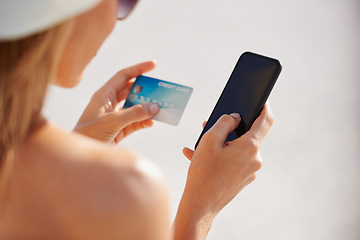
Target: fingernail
pixel 235 115
pixel 154 108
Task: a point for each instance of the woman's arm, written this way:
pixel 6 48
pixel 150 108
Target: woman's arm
pixel 218 172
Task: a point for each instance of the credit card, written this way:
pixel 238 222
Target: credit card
pixel 171 97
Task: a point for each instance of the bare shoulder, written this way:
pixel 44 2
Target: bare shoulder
pixel 87 189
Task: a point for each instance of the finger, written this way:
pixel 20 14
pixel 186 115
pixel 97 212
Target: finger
pixel 122 94
pixel 188 153
pixel 262 124
pixel 259 161
pixel 134 114
pixel 121 79
pixel 118 87
pixel 204 124
pixel 137 70
pixel 125 132
pixel 223 127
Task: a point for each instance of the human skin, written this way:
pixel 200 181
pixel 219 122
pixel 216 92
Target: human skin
pixel 218 172
pixel 67 186
pixel 81 188
pixel 197 208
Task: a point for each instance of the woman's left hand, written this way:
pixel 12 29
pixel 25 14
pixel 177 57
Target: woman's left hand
pixel 103 120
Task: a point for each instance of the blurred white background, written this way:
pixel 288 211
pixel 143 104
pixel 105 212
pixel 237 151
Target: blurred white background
pixel 309 185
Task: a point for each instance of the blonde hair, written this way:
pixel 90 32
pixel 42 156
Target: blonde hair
pixel 26 68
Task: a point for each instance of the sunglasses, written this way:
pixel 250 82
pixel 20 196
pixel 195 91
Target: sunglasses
pixel 125 8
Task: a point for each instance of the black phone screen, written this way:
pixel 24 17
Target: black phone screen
pixel 246 92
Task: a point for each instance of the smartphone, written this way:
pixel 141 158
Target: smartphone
pixel 246 92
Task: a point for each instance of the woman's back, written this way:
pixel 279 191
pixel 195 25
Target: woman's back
pixel 72 187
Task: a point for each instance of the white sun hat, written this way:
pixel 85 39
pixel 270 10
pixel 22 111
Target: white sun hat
pixel 21 18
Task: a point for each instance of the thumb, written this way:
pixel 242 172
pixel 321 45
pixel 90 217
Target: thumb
pixel 223 127
pixel 135 113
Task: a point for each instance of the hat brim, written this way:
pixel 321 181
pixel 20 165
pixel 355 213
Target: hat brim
pixel 19 18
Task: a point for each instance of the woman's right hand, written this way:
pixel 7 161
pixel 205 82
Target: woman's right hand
pixel 218 172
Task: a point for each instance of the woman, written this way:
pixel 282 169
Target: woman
pixel 60 185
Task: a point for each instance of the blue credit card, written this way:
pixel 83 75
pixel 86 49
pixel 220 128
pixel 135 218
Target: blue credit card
pixel 171 97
